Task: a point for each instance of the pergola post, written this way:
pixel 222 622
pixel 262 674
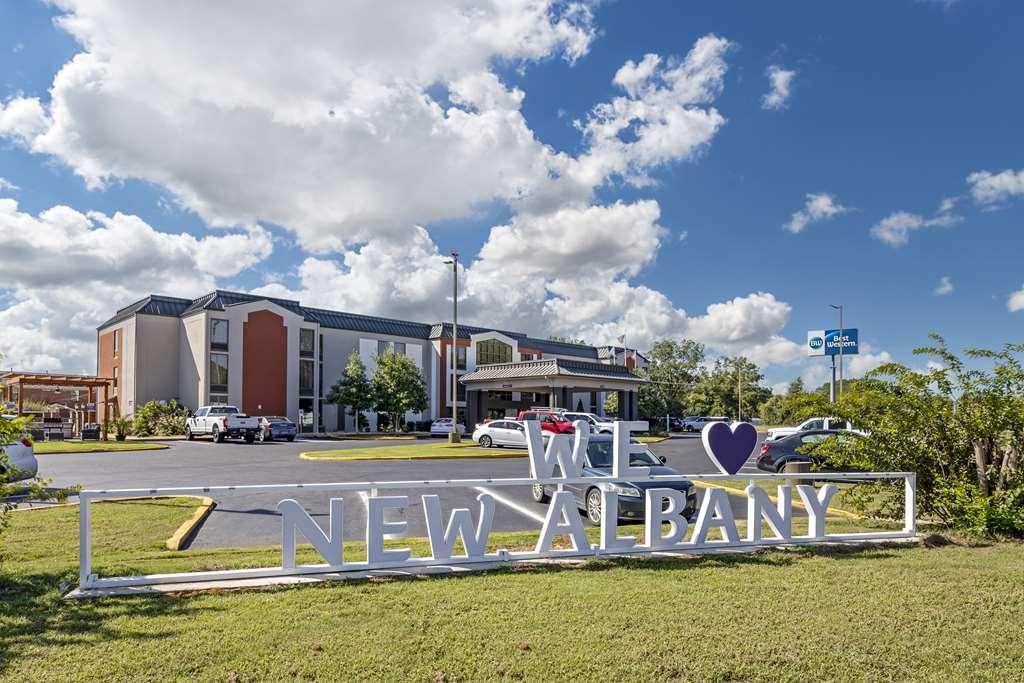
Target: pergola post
pixel 90 415
pixel 21 399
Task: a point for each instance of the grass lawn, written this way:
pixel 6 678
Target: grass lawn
pixel 950 612
pixel 419 451
pixel 44 447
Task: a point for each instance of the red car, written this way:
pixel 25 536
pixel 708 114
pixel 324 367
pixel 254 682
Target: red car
pixel 550 421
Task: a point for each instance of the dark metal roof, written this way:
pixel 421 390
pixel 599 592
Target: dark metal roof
pixel 153 304
pixel 220 299
pixel 444 330
pixel 553 367
pixel 369 323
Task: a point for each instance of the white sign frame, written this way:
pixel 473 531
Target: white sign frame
pixel 611 545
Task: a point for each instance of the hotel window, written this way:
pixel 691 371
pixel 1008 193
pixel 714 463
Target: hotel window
pixel 218 373
pixel 307 343
pixel 460 357
pixel 493 351
pixel 382 347
pixel 460 392
pixel 116 346
pixel 219 334
pixel 526 356
pixel 499 395
pixel 114 391
pixel 306 377
pixel 218 399
pixel 400 348
pixel 321 370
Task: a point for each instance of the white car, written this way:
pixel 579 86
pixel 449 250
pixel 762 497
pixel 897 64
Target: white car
pixel 814 423
pixel 21 458
pixel 598 424
pixel 503 433
pixel 696 423
pixel 442 426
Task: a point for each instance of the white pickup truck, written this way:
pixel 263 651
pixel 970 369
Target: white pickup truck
pixel 221 422
pixel 815 423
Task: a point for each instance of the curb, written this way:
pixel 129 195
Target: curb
pixel 146 446
pixel 831 510
pixel 312 455
pixel 189 526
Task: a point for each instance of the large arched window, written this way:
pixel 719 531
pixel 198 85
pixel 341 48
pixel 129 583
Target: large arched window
pixel 493 351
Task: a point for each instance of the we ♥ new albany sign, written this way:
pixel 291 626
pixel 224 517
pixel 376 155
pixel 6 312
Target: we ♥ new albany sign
pixel 557 465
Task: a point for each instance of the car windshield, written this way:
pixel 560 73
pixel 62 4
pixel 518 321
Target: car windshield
pixel 600 455
pixel 277 419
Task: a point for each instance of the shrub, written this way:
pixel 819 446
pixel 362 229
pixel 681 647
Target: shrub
pixel 158 418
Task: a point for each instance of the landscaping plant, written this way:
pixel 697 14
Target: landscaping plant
pixel 399 387
pixel 353 390
pixel 160 418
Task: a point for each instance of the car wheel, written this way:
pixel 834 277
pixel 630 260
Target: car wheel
pixel 485 441
pixel 261 436
pixel 539 494
pixel 291 438
pixel 188 434
pixel 594 506
pixel 250 437
pixel 217 436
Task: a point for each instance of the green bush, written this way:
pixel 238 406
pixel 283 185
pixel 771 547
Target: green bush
pixel 160 419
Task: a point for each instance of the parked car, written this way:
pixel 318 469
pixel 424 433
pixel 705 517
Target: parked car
pixel 21 460
pixel 503 433
pixel 632 495
pixel 697 423
pixel 598 424
pixel 814 423
pixel 442 426
pixel 276 427
pixel 550 420
pixel 222 422
pixel 775 455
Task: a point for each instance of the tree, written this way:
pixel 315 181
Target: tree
pixel 716 393
pixel 673 369
pixel 959 428
pixel 611 403
pixel 353 389
pixel 398 386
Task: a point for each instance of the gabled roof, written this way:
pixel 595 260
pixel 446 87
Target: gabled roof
pixel 369 323
pixel 153 304
pixel 444 331
pixel 553 367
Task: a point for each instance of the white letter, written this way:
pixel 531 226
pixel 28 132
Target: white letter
pixel 376 528
pixel 656 516
pixel 610 540
pixel 568 455
pixel 778 517
pixel 718 500
pixel 563 508
pixel 294 517
pixel 621 448
pixel 460 524
pixel 817 506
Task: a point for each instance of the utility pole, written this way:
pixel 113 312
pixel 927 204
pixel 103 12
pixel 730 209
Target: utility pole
pixel 739 389
pixel 453 434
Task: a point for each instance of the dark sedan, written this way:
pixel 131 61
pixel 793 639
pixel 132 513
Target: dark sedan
pixel 775 455
pixel 276 427
pixel 632 495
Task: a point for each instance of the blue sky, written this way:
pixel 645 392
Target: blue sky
pixel 892 106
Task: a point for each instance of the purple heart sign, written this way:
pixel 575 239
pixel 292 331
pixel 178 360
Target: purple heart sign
pixel 729 446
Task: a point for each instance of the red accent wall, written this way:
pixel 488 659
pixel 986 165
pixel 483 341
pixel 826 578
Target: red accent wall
pixel 108 360
pixel 264 364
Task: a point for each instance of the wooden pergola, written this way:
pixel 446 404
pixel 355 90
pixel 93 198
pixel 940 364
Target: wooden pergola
pixel 91 383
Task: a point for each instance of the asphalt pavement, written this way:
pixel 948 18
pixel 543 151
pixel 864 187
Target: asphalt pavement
pixel 242 519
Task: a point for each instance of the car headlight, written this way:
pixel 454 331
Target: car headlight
pixel 625 490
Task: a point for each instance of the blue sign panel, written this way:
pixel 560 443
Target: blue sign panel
pixel 848 342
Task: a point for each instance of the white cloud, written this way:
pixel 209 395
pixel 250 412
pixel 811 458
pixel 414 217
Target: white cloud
pixel 818 207
pixel 7 186
pixel 991 190
pixel 895 228
pixel 944 287
pixel 1016 301
pixel 22 119
pixel 781 83
pixel 66 272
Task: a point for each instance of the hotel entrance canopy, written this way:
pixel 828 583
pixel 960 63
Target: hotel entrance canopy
pixel 559 378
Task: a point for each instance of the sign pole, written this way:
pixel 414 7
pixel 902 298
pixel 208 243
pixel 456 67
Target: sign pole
pixel 832 382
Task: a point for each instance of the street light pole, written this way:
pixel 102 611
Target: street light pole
pixel 453 434
pixel 839 307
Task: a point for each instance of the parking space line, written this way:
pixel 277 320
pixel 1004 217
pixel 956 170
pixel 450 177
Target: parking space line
pixel 526 512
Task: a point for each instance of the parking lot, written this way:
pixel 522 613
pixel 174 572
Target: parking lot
pixel 251 519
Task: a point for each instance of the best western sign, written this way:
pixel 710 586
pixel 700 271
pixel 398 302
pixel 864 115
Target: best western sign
pixel 828 342
pixel 666 530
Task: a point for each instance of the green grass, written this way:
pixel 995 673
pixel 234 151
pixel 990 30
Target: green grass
pixel 950 612
pixel 419 451
pixel 45 447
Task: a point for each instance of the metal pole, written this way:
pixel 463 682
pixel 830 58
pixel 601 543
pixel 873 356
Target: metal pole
pixel 453 435
pixel 832 382
pixel 739 391
pixel 841 345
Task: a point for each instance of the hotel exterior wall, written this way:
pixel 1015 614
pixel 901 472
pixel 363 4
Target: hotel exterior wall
pixel 193 359
pixel 156 350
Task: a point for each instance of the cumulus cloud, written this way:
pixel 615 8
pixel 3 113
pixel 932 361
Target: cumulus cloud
pixel 780 82
pixel 991 190
pixel 944 287
pixel 818 207
pixel 1015 302
pixel 895 229
pixel 67 272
